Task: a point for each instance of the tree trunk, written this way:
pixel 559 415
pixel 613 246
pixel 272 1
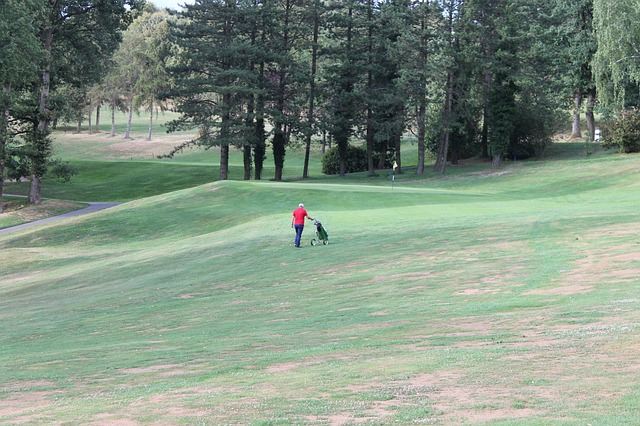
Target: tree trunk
pixel 485 133
pixel 454 157
pixel 247 147
pixel 150 122
pixel 371 143
pixel 591 120
pixel 342 155
pixel 259 151
pixel 246 153
pixel 97 126
pixel 307 154
pixel 35 189
pixel 398 146
pixel 382 159
pixel 90 123
pixel 496 161
pixel 225 136
pixel 127 134
pixel 224 161
pixel 443 147
pixel 279 140
pixel 113 118
pixel 577 103
pixel 422 112
pixel 488 83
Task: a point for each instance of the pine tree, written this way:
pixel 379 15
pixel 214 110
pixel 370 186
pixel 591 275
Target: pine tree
pixel 316 15
pixel 345 71
pixel 214 75
pixel 286 75
pixel 385 98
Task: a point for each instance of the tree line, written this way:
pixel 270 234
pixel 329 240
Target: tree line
pixel 493 78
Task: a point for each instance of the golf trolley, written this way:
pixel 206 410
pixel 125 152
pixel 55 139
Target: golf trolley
pixel 321 234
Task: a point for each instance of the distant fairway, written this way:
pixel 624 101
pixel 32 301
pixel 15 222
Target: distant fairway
pixel 480 297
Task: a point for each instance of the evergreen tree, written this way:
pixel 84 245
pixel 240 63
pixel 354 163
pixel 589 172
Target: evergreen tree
pixel 348 30
pixel 316 15
pixel 420 58
pixel 214 75
pixel 286 75
pixel 385 97
pixel 514 42
pixel 454 92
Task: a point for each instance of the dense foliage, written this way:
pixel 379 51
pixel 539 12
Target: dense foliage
pixel 51 49
pixel 355 160
pixel 623 131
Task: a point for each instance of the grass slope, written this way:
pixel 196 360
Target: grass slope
pixel 501 298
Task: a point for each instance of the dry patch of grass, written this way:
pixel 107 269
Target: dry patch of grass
pixel 116 147
pixel 618 260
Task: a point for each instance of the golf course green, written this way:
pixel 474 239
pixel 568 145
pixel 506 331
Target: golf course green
pixel 482 296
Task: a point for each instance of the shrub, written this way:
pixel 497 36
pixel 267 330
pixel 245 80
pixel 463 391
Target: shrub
pixel 61 170
pixel 355 161
pixel 622 132
pixel 533 130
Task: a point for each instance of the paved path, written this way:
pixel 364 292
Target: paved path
pixel 93 207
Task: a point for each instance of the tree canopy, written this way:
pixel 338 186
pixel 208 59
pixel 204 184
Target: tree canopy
pixel 466 78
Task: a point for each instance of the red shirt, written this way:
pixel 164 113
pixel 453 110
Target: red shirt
pixel 298 216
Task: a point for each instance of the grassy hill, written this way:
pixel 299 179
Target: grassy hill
pixel 480 297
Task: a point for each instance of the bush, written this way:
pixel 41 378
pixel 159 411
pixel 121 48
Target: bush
pixel 533 130
pixel 622 132
pixel 355 161
pixel 63 171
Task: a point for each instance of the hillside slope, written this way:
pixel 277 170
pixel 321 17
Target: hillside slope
pixel 502 297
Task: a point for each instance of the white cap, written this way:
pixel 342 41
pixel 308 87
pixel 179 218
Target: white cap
pixel 301 205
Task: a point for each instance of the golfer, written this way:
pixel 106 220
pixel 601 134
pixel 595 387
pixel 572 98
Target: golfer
pixel 297 222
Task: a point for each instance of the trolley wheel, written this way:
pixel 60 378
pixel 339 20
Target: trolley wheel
pixel 325 242
pixel 313 242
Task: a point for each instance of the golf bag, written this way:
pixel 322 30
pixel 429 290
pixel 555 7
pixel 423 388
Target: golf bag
pixel 322 236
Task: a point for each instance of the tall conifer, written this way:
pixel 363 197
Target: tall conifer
pixel 214 75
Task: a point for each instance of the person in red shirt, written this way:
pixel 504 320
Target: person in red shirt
pixel 297 222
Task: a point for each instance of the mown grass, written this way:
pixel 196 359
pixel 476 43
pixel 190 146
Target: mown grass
pixel 501 297
pixel 497 297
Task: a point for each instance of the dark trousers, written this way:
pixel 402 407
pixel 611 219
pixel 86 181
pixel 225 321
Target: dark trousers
pixel 299 229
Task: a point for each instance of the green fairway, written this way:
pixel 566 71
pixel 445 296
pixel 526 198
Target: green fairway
pixel 503 297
